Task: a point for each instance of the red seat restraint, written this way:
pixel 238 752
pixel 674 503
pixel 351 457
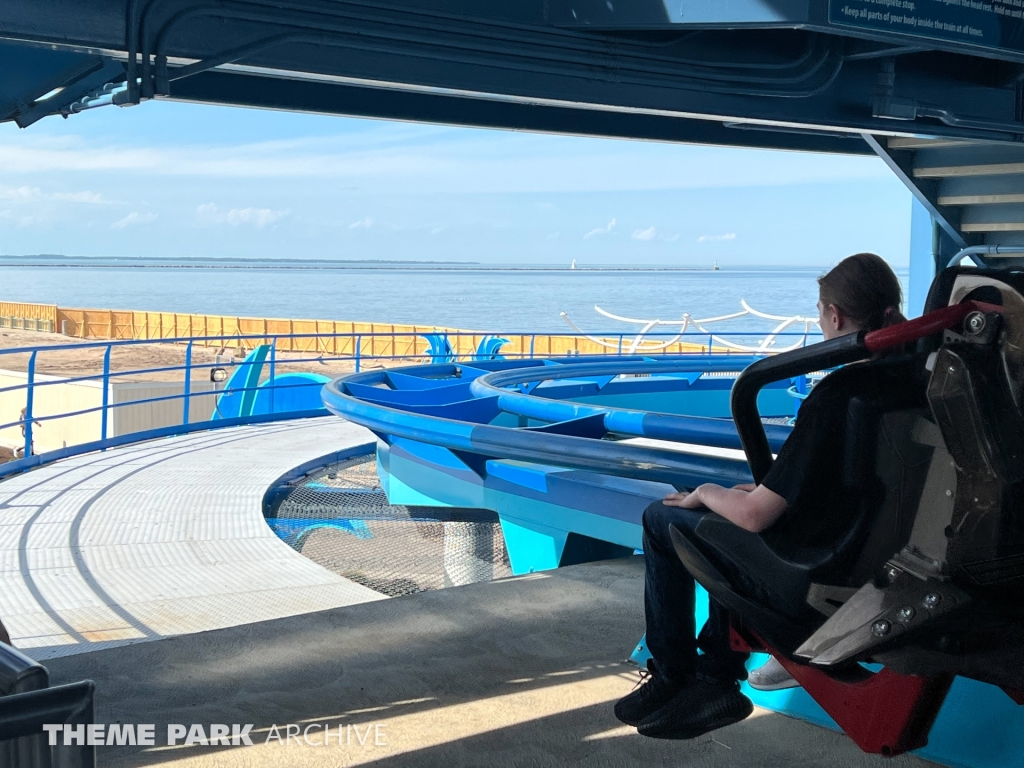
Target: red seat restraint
pixel 912 330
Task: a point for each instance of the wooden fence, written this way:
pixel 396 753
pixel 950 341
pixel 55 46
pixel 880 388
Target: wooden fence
pixel 335 338
pixel 28 317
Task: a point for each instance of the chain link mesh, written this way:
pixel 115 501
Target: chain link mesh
pixel 340 518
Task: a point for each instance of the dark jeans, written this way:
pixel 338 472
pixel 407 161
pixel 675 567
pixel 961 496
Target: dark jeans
pixel 669 596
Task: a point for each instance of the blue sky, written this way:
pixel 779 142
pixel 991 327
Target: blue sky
pixel 179 180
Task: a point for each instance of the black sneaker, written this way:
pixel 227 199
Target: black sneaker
pixel 702 706
pixel 654 691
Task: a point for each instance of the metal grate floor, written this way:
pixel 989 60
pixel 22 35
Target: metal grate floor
pixel 340 518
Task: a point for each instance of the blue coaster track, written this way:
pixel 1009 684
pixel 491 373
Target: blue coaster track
pixel 561 449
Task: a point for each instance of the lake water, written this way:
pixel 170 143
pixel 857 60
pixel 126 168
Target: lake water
pixel 507 300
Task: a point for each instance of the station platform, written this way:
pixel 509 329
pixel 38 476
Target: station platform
pixel 161 538
pixel 521 671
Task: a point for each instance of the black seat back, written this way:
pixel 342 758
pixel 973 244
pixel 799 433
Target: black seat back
pixel 870 506
pixel 882 469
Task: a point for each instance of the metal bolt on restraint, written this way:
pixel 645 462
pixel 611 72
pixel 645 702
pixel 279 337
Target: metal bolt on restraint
pixel 906 613
pixel 931 600
pixel 881 628
pixel 949 493
pixel 975 322
pixel 892 573
pixel 952 369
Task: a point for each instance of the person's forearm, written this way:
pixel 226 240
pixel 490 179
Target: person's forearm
pixel 751 510
pixel 730 503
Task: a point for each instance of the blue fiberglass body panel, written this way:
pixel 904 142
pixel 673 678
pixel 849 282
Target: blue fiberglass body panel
pixel 239 393
pixel 597 496
pixel 291 392
pixel 549 500
pixel 713 402
pixel 682 394
pixel 431 477
pixel 453 392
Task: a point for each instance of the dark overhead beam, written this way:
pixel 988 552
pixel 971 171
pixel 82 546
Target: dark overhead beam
pixel 780 62
pixel 241 90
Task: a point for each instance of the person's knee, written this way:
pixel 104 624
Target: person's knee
pixel 654 517
pixel 656 520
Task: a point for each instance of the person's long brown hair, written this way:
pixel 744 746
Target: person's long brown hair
pixel 864 289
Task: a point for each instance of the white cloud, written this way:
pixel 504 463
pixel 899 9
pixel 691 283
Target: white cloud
pixel 334 157
pixel 134 218
pixel 600 230
pixel 410 178
pixel 390 156
pixel 716 238
pixel 361 224
pixel 21 221
pixel 94 198
pixel 209 213
pixel 258 217
pixel 21 194
pixel 644 234
pixel 28 194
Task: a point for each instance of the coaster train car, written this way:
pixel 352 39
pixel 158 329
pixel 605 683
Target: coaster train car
pixel 927 577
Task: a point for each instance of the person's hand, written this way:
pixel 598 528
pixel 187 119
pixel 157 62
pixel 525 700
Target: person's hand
pixel 684 500
pixel 748 487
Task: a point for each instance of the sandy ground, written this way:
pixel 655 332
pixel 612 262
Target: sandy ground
pixel 83 362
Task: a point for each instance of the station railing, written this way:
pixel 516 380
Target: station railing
pixel 21 406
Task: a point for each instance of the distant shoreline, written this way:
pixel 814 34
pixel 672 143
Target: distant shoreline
pixel 351 266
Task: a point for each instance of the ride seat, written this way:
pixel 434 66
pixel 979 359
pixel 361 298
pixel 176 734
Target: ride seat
pixel 874 502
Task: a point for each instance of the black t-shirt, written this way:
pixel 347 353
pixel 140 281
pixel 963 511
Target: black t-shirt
pixel 808 473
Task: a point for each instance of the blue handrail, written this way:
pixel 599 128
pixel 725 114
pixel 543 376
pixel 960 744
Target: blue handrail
pixel 487 349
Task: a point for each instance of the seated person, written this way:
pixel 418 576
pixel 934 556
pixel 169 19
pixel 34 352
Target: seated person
pixel 688 694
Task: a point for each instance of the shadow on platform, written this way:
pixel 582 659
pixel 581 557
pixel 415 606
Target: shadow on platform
pixel 516 672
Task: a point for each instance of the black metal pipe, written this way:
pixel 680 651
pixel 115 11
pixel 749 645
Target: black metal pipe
pixel 830 57
pixel 25 714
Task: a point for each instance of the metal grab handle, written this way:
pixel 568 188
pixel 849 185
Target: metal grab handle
pixel 827 354
pixel 743 399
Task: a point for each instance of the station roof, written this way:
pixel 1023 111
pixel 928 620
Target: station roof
pixel 789 74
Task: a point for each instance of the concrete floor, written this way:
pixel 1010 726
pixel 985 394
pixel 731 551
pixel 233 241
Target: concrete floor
pixel 516 672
